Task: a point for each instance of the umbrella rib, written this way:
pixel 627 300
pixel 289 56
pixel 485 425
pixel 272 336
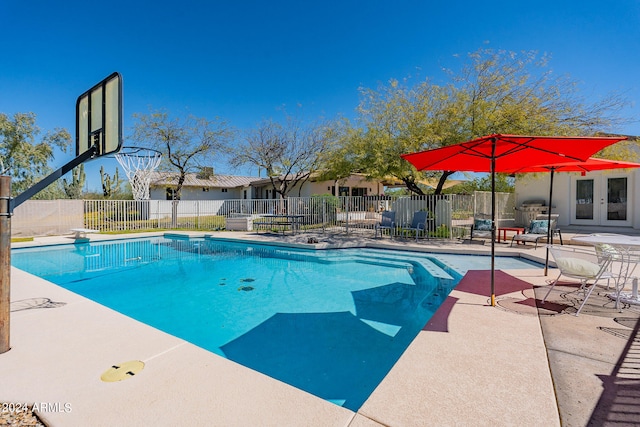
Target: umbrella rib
pixel 518 146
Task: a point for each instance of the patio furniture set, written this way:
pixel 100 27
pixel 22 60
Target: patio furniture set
pixel 613 259
pixel 419 225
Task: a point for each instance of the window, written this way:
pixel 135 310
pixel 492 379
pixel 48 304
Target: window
pixel 617 199
pixel 356 191
pixel 171 194
pixel 205 189
pixel 584 199
pixel 225 190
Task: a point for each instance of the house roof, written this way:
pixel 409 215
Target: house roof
pixel 315 177
pixel 192 180
pixel 289 177
pixel 219 181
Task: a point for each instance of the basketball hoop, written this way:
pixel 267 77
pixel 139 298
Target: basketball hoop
pixel 138 164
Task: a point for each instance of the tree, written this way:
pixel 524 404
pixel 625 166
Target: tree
pixel 494 92
pixel 186 144
pixel 504 183
pixel 73 189
pixel 392 120
pixel 23 155
pixel 516 92
pixel 110 185
pixel 289 153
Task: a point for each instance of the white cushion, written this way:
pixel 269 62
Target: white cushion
pixel 578 267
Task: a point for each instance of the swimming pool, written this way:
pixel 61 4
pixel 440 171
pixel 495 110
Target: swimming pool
pixel 331 322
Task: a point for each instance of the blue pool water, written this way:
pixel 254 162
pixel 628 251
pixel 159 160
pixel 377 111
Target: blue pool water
pixel 330 322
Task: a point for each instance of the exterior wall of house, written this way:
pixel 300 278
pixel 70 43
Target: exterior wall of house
pixel 530 187
pixel 373 188
pixel 157 193
pixel 309 188
pixel 196 193
pixel 343 187
pixel 535 187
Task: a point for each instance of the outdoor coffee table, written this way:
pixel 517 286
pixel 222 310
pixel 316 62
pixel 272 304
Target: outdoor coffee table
pixel 503 231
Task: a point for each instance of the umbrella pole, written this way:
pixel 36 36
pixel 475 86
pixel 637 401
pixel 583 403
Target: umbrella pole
pixel 493 221
pixel 549 231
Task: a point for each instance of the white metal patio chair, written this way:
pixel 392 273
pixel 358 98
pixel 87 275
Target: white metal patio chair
pixel 583 265
pixel 623 261
pixel 607 252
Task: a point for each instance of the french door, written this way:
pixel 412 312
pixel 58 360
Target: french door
pixel 601 200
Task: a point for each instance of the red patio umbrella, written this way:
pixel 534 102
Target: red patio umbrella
pixel 590 165
pixel 507 153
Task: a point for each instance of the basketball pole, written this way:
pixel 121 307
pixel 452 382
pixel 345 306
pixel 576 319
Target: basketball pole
pixel 5 261
pixel 50 179
pixel 110 91
pixel 7 205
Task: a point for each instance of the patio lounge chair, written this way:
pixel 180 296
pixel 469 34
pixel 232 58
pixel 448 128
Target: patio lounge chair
pixel 418 224
pixel 537 230
pixel 388 222
pixel 481 228
pixel 586 266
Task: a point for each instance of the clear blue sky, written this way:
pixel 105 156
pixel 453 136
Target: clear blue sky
pixel 245 60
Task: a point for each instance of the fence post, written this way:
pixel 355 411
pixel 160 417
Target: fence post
pixel 324 214
pixel 346 209
pixel 5 261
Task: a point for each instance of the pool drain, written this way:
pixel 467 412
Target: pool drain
pixel 122 371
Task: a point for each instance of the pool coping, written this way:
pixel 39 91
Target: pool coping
pixel 490 367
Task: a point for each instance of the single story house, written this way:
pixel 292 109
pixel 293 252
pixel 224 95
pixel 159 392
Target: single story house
pixel 227 187
pixel 197 187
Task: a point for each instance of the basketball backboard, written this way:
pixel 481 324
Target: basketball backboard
pixel 99 117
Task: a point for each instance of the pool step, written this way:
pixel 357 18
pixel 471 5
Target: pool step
pixel 372 256
pixel 426 263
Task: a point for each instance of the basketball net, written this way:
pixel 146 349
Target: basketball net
pixel 138 164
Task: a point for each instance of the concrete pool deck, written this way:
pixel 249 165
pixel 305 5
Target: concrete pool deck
pixel 513 364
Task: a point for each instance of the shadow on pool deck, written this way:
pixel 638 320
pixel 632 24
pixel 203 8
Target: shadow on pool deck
pixel 479 282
